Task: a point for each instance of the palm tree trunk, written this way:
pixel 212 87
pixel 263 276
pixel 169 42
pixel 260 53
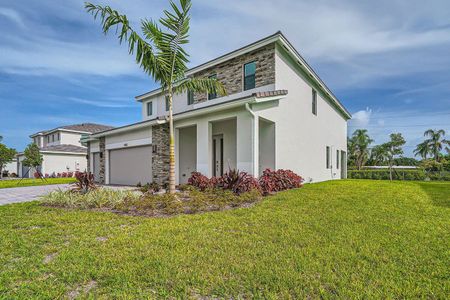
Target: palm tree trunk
pixel 171 148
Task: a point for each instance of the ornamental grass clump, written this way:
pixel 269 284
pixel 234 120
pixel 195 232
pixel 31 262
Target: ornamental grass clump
pixel 98 198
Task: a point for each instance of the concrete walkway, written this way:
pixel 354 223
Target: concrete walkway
pixel 27 193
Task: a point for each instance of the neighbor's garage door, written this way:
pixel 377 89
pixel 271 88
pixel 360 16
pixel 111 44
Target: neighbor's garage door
pixel 130 166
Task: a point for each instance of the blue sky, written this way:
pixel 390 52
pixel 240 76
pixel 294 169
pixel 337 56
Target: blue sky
pixel 387 61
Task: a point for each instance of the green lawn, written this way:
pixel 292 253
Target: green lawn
pixel 340 239
pixel 33 182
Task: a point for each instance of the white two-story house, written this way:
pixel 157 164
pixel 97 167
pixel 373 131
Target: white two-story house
pixel 61 149
pixel 277 114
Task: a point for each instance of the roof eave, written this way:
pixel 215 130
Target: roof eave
pixel 189 114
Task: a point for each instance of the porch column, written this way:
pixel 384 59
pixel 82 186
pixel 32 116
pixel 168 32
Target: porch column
pixel 255 146
pixel 204 137
pixel 244 141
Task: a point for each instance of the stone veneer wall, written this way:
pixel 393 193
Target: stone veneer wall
pixel 102 160
pixel 231 73
pixel 160 154
pixel 88 157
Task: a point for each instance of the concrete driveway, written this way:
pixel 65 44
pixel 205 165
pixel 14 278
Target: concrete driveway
pixel 27 193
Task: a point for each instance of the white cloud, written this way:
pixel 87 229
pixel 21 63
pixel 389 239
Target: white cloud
pixel 13 16
pixel 360 118
pixel 110 103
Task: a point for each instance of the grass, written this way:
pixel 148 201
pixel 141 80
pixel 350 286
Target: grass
pixel 33 182
pixel 340 239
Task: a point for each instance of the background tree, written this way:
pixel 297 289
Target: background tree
pixel 358 147
pixel 33 158
pixel 6 156
pixel 161 55
pixel 436 142
pixel 406 161
pixel 422 150
pixel 393 148
pixel 378 155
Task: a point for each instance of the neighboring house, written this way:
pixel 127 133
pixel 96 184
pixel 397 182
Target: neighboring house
pixel 61 149
pixel 10 168
pixel 277 114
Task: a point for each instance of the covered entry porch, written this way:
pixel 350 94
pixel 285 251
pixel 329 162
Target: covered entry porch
pixel 217 143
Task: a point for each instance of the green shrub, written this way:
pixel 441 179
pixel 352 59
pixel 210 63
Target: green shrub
pixel 383 174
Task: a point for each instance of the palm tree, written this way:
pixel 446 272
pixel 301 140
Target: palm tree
pixel 358 146
pixel 422 150
pixel 435 142
pixel 379 155
pixel 161 55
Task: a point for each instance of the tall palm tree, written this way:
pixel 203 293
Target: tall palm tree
pixel 359 147
pixel 379 155
pixel 435 142
pixel 161 55
pixel 422 150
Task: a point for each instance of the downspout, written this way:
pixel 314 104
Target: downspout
pixel 254 165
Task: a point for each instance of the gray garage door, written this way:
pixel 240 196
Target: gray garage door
pixel 130 166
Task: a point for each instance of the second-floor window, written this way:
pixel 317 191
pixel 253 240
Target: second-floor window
pixel 149 108
pixel 212 95
pixel 53 137
pixel 58 136
pixel 314 102
pixel 167 103
pixel 190 97
pixel 48 139
pixel 249 76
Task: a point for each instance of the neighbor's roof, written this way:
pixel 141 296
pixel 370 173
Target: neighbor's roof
pixel 278 37
pixel 64 148
pixel 82 128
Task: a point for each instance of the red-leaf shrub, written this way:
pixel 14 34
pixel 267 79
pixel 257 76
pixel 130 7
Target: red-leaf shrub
pixel 46 175
pixel 237 182
pixel 85 182
pixel 36 175
pixel 199 181
pixel 64 174
pixel 280 180
pixel 245 183
pixel 70 174
pixel 58 175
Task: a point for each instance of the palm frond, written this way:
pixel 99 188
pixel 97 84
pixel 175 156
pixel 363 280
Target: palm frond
pixel 143 51
pixel 201 85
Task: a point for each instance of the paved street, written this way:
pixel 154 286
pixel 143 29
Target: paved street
pixel 27 193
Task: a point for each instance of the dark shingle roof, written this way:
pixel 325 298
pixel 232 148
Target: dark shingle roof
pixel 88 127
pixel 270 93
pixel 64 148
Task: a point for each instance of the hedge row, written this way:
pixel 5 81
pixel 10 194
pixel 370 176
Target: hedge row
pixel 398 175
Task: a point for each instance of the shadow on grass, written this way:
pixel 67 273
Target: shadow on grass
pixel 439 192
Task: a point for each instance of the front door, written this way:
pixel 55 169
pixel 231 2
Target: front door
pixel 217 155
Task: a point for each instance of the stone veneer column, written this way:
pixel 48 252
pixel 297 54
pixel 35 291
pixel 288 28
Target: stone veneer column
pixel 88 157
pixel 160 154
pixel 102 160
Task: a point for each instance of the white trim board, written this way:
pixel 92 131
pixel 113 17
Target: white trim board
pixel 128 144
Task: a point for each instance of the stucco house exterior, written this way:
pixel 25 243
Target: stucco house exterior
pixel 61 148
pixel 277 114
